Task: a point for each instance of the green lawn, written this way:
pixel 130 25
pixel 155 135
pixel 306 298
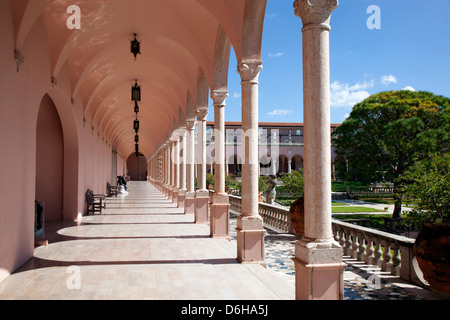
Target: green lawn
pixel 349 209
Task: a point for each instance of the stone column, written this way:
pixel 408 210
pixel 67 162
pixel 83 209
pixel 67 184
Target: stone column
pixel 172 168
pixel 289 166
pixel 182 166
pixel 169 170
pixel 202 194
pixel 189 203
pixel 250 231
pixel 220 206
pixel 176 171
pixel 318 258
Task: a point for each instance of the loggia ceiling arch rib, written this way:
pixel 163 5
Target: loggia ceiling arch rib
pixel 161 75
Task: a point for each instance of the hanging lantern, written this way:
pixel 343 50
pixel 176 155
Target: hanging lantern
pixel 136 92
pixel 136 125
pixel 135 46
pixel 136 108
pixel 136 147
pixel 136 138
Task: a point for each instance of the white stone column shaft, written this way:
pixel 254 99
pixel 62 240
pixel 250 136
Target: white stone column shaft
pixel 250 231
pixel 219 99
pixel 201 175
pixel 318 259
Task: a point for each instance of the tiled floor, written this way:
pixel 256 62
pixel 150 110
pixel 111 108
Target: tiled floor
pixel 141 247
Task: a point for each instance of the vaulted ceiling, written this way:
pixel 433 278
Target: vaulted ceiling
pixel 181 40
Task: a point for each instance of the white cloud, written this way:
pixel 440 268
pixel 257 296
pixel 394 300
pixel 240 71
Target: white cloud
pixel 275 55
pixel 344 95
pixel 280 112
pixel 409 88
pixel 236 95
pixel 387 80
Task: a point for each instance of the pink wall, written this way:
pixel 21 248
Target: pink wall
pixel 86 155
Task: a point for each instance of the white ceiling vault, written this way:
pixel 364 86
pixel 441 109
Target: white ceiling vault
pixel 182 41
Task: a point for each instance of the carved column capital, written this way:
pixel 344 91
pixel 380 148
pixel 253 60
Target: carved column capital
pixel 219 97
pixel 249 70
pixel 315 13
pixel 202 113
pixel 190 124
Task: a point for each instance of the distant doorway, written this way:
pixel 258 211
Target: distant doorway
pixel 137 167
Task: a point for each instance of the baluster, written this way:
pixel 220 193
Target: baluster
pixel 378 253
pixel 362 247
pixel 355 246
pixel 342 237
pixel 387 256
pixel 335 234
pixel 348 244
pixel 396 261
pixel 369 251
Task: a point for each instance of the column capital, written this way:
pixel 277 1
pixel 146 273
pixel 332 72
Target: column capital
pixel 190 124
pixel 219 97
pixel 315 13
pixel 249 70
pixel 202 113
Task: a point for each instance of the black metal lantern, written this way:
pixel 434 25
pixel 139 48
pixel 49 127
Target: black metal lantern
pixel 136 147
pixel 136 125
pixel 136 108
pixel 136 92
pixel 135 46
pixel 136 138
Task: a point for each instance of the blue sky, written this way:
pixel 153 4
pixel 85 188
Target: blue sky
pixel 411 50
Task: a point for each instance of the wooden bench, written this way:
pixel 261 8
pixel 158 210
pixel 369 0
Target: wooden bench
pixel 94 203
pixel 112 190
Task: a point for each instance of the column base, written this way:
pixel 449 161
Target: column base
pixel 220 216
pixel 250 240
pixel 201 206
pixel 175 196
pixel 319 270
pixel 181 197
pixel 169 193
pixel 189 203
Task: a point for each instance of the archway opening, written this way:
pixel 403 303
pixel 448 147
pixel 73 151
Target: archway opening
pixel 137 167
pixel 49 161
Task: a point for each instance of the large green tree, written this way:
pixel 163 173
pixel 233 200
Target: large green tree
pixel 390 131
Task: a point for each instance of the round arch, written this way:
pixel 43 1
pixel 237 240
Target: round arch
pixel 137 167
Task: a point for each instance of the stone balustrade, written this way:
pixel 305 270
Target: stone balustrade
pixel 391 253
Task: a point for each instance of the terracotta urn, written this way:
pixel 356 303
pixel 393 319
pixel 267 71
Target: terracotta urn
pixel 297 215
pixel 432 250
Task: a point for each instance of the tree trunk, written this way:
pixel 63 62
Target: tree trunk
pixel 398 202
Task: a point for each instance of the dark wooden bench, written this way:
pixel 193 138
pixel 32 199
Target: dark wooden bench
pixel 94 203
pixel 112 190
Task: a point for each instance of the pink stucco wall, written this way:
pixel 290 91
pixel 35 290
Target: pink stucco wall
pixel 86 156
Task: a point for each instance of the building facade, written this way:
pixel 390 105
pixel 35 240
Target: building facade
pixel 281 147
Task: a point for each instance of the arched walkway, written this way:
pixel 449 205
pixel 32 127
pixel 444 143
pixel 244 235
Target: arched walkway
pixel 140 247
